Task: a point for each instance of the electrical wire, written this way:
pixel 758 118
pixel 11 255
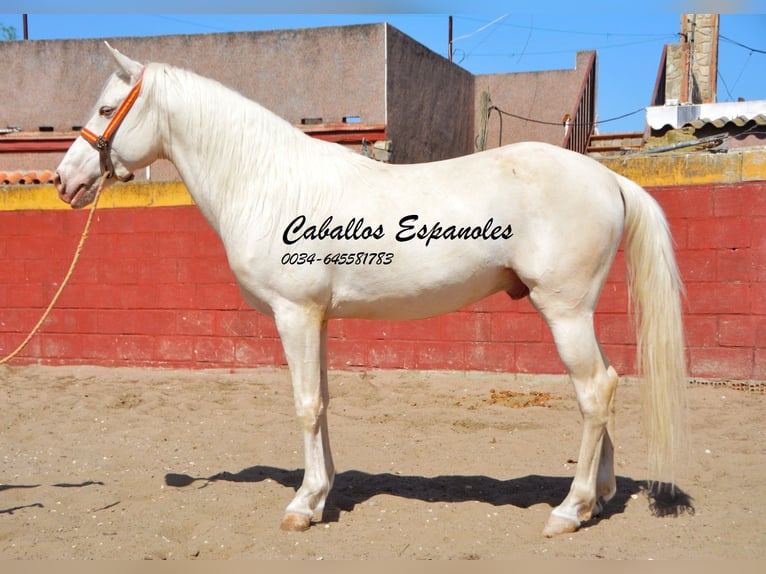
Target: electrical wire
pixel 484 39
pixel 549 123
pixel 565 31
pixel 742 70
pixel 741 45
pixel 725 85
pixel 572 50
pixel 487 25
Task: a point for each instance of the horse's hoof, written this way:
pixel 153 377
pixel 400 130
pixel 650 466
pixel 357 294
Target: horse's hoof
pixel 559 525
pixel 295 522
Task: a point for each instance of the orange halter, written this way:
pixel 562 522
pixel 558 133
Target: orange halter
pixel 103 143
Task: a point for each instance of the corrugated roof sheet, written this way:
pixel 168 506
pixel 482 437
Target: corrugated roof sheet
pixel 700 115
pixel 739 121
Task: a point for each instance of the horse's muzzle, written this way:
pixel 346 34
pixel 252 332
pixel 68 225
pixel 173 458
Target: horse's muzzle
pixel 76 195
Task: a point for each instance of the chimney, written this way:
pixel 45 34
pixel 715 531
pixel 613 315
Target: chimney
pixel 691 67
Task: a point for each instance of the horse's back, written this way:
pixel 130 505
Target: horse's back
pixel 564 207
pixel 519 176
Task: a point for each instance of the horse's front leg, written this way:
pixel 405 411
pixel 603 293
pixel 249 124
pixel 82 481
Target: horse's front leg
pixel 303 331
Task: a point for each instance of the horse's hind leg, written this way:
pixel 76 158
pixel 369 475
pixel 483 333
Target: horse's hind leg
pixel 304 338
pixel 595 383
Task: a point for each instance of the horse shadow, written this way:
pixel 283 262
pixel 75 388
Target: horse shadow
pixel 354 487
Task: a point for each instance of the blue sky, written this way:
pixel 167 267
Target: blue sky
pixel 499 38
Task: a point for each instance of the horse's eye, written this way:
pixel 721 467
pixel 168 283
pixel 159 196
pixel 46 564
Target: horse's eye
pixel 106 111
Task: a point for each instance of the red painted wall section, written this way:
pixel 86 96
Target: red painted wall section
pixel 153 289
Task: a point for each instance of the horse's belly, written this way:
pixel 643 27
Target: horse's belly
pixel 381 299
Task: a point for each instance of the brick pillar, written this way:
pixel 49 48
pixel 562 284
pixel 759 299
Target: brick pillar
pixel 699 40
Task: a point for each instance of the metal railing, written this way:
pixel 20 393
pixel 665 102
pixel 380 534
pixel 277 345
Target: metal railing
pixel 582 120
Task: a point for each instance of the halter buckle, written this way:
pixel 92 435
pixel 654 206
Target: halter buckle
pixel 101 143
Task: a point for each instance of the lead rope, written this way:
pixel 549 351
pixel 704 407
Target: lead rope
pixel 77 252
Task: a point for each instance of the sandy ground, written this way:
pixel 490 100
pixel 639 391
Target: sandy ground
pixel 135 463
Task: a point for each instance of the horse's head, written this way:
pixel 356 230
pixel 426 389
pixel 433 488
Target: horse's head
pixel 115 141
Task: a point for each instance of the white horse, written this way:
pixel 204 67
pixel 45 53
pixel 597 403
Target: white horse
pixel 314 232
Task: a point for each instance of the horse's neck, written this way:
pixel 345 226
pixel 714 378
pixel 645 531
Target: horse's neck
pixel 226 147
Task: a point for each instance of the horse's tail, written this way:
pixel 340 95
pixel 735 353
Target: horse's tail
pixel 655 289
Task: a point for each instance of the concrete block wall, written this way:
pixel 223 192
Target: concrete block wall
pixel 371 71
pixel 717 218
pixel 153 287
pixel 719 233
pixel 429 105
pixel 294 73
pixel 430 102
pixel 545 97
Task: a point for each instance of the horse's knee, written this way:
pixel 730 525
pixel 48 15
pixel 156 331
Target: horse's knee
pixel 310 414
pixel 595 395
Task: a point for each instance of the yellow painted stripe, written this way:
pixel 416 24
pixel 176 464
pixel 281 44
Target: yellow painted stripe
pixel 648 170
pixel 754 166
pixel 690 169
pixel 145 194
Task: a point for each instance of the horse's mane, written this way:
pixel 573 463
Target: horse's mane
pixel 250 150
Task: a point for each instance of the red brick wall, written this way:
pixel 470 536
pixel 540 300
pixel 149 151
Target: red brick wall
pixel 719 231
pixel 153 288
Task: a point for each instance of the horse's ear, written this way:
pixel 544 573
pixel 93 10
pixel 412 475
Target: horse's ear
pixel 130 67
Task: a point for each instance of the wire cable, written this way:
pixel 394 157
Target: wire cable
pixel 741 45
pixel 487 25
pixel 549 123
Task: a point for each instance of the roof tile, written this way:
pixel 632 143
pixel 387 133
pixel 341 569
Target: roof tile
pixel 42 176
